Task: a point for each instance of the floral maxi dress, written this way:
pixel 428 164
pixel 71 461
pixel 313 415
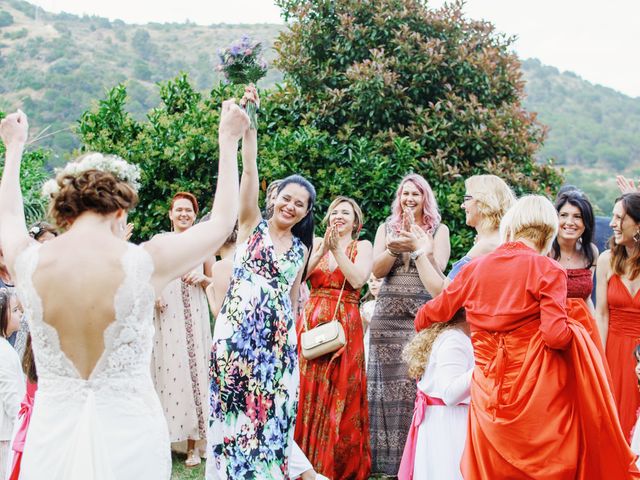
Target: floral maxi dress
pixel 254 365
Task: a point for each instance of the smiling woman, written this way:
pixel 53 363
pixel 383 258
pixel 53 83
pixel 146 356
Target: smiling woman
pixel 618 305
pixel 181 344
pixel 399 248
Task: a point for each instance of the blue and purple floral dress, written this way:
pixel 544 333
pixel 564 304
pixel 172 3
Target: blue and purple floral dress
pixel 254 365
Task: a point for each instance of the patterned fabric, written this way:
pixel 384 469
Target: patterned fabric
pixel 579 283
pixel 180 366
pixel 391 391
pixel 254 365
pixel 332 426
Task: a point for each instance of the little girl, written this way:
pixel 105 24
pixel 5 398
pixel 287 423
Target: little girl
pixel 12 386
pixel 441 359
pixel 367 307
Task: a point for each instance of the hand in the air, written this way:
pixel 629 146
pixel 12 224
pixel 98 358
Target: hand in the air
pixel 14 128
pixel 424 240
pixel 233 121
pixel 250 95
pixel 626 185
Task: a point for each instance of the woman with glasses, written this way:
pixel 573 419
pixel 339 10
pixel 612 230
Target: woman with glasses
pixel 486 199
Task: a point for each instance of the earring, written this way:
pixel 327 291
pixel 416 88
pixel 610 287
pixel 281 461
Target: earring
pixel 636 237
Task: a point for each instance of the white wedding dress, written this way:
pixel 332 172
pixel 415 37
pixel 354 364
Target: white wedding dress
pixel 110 426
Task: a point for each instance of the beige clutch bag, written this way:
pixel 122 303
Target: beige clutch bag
pixel 322 339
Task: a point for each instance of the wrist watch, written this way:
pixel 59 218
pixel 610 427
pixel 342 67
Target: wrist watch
pixel 416 253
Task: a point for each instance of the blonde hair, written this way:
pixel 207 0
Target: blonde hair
pixel 357 212
pixel 493 197
pixel 416 353
pixel 534 218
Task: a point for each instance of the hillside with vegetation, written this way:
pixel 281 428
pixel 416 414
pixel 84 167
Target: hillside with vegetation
pixel 55 66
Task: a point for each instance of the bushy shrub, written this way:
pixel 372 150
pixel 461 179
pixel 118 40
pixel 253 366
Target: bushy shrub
pixel 6 19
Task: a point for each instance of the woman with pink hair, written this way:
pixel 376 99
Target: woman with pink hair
pixel 400 258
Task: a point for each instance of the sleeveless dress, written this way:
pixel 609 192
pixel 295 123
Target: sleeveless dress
pixel 391 392
pixel 254 365
pixel 332 427
pixel 623 336
pixel 111 426
pixel 180 366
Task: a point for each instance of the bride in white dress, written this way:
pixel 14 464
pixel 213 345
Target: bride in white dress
pixel 89 297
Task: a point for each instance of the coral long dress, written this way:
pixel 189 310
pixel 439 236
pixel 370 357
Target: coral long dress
pixel 541 406
pixel 624 335
pixel 579 288
pixel 332 427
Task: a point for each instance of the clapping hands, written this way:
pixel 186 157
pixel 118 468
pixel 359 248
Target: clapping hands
pixel 14 129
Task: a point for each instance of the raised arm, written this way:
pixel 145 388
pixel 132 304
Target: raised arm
pixel 426 263
pixel 318 251
pixel 174 255
pixel 13 229
pixel 249 214
pixel 603 270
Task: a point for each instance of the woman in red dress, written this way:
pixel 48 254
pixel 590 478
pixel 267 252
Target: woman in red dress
pixel 332 427
pixel 574 250
pixel 618 305
pixel 540 402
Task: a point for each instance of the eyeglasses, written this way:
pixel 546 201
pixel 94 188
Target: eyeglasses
pixel 466 198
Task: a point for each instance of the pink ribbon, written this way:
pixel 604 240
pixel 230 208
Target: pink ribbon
pixel 26 407
pixel 409 454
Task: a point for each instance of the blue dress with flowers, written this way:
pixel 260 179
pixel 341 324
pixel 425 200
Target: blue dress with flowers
pixel 254 365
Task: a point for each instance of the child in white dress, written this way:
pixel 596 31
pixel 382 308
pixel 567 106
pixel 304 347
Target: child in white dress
pixel 12 385
pixel 635 436
pixel 441 359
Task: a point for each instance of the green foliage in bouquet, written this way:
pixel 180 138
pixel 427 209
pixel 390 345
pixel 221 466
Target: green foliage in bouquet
pixel 242 62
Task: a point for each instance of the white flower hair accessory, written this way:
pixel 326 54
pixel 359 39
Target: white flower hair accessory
pixel 113 164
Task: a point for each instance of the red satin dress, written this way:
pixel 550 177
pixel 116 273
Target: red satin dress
pixel 541 406
pixel 579 288
pixel 623 336
pixel 332 427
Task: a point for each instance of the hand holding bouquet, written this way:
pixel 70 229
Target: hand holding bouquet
pixel 242 64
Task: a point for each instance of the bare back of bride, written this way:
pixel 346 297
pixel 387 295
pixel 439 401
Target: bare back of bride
pixel 89 297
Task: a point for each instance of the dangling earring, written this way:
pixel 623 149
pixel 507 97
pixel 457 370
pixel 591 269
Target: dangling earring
pixel 636 237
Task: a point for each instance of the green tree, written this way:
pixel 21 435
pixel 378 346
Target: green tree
pixel 6 19
pixel 398 84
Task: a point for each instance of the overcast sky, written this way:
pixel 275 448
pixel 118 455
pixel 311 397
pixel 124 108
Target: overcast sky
pixel 598 40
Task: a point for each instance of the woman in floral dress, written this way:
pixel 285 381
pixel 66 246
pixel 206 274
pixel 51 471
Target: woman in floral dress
pixel 254 364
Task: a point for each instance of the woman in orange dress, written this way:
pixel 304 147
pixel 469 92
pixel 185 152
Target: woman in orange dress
pixel 332 427
pixel 618 305
pixel 540 402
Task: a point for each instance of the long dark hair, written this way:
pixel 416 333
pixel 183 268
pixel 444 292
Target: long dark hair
pixel 581 202
pixel 621 262
pixel 304 229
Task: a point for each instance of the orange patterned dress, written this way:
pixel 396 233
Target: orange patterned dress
pixel 332 427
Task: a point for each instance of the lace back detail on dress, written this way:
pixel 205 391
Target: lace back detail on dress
pixel 127 340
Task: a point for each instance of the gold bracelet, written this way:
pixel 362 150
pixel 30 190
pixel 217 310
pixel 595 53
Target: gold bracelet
pixel 393 254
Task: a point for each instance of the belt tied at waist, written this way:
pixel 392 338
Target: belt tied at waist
pixel 409 455
pixel 348 296
pixel 624 321
pixel 493 348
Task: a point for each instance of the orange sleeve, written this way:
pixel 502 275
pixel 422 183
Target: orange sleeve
pixel 444 306
pixel 553 312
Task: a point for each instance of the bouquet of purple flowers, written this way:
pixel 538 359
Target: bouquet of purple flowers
pixel 242 64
